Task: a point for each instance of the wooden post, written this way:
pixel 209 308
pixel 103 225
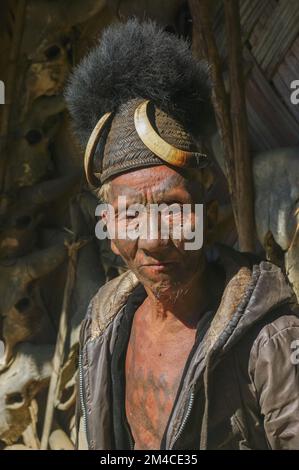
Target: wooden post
pixel 230 112
pixel 10 87
pixel 242 162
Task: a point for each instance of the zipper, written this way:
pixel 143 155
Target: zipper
pixel 202 329
pixel 185 419
pixel 81 394
pixel 131 442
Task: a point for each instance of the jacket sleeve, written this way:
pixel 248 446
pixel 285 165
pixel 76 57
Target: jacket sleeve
pixel 274 370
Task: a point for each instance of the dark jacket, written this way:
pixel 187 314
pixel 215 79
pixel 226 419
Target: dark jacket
pixel 240 387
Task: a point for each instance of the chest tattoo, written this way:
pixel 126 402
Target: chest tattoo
pixel 153 376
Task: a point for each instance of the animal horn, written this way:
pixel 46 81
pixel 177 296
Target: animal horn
pixel 160 147
pixel 48 191
pixel 42 262
pixel 90 149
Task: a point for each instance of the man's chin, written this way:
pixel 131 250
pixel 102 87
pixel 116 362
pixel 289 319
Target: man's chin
pixel 169 293
pixel 151 276
pixel 162 285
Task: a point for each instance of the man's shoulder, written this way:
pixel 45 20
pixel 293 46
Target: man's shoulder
pixel 109 300
pixel 273 335
pixel 269 343
pixel 280 326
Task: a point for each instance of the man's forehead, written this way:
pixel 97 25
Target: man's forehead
pixel 157 179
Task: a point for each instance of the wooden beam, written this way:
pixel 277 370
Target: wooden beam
pixel 200 11
pixel 230 112
pixel 242 161
pixel 10 88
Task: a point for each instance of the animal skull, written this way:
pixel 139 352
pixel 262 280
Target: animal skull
pixel 29 373
pixel 276 184
pixel 20 313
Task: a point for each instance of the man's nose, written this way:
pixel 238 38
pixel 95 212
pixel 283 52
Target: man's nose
pixel 151 245
pixel 155 238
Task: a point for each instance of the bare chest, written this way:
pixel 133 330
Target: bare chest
pixel 154 366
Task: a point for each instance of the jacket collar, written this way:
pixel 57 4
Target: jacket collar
pixel 249 293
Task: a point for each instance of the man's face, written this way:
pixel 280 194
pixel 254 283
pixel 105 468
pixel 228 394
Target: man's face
pixel 161 264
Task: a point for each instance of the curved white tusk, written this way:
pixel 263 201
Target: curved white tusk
pixel 91 147
pixel 160 147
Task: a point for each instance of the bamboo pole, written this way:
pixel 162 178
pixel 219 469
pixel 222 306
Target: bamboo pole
pixel 60 342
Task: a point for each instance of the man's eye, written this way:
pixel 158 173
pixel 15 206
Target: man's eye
pixel 173 211
pixel 131 216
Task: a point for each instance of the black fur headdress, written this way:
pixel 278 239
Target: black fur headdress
pixel 139 60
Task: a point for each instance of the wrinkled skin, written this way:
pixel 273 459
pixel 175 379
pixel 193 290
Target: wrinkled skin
pixel 155 186
pixel 175 281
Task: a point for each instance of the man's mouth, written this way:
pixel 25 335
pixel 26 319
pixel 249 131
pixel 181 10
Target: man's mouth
pixel 160 266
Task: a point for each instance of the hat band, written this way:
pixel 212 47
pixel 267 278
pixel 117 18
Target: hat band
pixel 151 139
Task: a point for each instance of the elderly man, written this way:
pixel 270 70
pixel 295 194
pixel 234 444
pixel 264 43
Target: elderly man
pixel 178 352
